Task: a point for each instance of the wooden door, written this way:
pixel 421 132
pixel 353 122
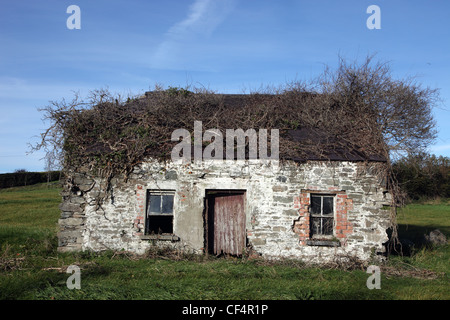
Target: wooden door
pixel 228 234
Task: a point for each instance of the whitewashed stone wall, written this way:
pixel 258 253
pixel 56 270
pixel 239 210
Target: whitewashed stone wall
pixel 276 196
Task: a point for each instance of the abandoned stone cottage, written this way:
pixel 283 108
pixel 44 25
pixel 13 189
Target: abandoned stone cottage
pixel 317 209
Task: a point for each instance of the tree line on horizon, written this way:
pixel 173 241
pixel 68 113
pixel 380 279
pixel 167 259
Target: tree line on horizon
pixel 423 176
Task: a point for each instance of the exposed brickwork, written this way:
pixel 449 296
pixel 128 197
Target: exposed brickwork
pixel 342 226
pixel 301 226
pixel 140 210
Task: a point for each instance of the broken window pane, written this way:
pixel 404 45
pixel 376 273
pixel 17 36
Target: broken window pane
pixel 160 224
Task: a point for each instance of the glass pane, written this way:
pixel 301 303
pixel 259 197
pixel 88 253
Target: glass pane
pixel 315 226
pixel 154 206
pixel 327 227
pixel 167 203
pixel 327 206
pixel 315 205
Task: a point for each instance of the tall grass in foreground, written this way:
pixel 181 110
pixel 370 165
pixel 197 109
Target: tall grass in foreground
pixel 30 267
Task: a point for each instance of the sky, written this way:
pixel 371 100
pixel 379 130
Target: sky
pixel 227 46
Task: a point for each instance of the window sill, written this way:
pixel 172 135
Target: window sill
pixel 160 237
pixel 323 243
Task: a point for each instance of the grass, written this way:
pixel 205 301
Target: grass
pixel 31 268
pixel 418 219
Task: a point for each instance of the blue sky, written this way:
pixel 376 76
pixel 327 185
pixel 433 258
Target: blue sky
pixel 228 46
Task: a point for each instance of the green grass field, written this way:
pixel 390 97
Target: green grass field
pixel 31 268
pixel 415 220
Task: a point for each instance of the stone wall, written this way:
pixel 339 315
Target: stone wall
pixel 277 207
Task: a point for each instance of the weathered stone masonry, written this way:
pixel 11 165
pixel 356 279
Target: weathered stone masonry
pixel 277 207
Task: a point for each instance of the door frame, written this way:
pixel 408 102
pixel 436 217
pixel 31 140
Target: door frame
pixel 208 215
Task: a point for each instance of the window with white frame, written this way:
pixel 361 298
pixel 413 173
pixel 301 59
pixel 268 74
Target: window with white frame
pixel 159 212
pixel 321 215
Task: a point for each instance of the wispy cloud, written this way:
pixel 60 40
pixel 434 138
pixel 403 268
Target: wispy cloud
pixel 203 17
pixel 444 147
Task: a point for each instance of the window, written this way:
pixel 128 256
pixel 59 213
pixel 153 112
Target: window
pixel 321 215
pixel 159 215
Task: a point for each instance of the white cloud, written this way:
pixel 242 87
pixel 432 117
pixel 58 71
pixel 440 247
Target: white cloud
pixel 181 40
pixel 203 18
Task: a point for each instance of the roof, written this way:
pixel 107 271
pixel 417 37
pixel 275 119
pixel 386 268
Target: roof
pixel 332 153
pixel 331 150
pixel 164 112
